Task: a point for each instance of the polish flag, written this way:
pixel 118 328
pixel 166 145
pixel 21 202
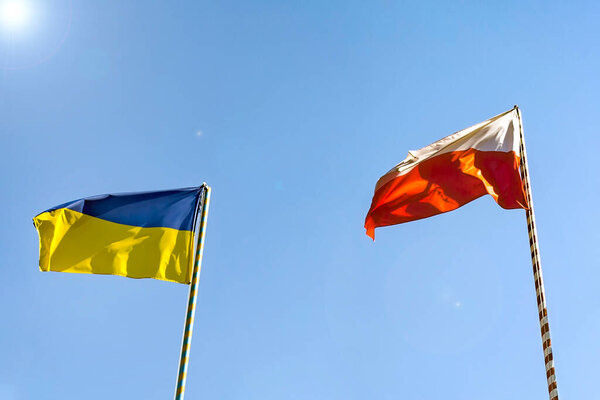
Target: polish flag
pixel 482 159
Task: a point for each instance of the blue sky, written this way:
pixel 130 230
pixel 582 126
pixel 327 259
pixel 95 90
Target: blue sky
pixel 291 111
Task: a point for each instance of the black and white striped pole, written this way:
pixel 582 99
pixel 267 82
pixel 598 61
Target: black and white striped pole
pixel 537 273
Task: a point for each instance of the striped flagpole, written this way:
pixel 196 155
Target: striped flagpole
pixel 537 273
pixel 191 308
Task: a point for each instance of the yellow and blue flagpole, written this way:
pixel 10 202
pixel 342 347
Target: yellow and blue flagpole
pixel 191 308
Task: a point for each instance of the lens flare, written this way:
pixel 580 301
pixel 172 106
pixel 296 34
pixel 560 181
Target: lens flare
pixel 14 14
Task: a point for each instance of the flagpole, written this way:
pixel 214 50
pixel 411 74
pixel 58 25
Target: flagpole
pixel 186 342
pixel 537 273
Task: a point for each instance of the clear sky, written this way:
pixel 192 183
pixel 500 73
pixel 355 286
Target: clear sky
pixel 291 111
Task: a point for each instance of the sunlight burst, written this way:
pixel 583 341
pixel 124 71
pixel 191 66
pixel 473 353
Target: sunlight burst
pixel 14 14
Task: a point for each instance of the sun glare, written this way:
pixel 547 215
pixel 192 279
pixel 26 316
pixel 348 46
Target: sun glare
pixel 14 14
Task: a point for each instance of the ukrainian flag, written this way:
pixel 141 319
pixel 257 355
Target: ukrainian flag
pixel 137 235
